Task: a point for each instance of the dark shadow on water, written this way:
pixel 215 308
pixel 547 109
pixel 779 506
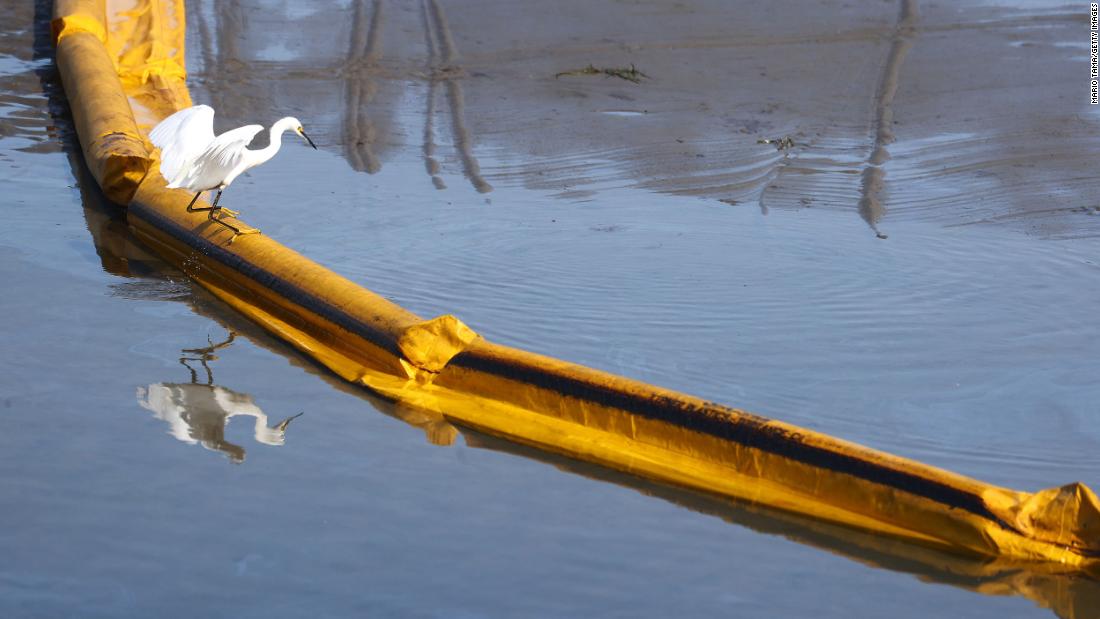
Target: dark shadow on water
pixel 872 206
pixel 199 406
pixel 442 66
pixel 364 51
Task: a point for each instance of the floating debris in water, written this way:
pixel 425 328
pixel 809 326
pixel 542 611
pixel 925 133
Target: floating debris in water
pixel 631 75
pixel 784 143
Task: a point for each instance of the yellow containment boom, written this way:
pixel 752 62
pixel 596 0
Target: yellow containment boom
pixel 124 72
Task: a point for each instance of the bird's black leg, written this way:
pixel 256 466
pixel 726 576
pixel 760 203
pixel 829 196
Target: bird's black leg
pixel 214 216
pixel 191 205
pixel 216 210
pixel 213 209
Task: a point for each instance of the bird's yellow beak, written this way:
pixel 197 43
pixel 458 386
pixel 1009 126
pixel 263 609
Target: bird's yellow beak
pixel 302 132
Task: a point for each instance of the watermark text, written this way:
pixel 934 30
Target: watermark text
pixel 1094 46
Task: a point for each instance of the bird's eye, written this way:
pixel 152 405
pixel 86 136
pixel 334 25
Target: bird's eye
pixel 300 130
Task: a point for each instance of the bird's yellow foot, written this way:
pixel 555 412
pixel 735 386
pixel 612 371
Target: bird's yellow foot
pixel 239 232
pixel 236 231
pixel 217 212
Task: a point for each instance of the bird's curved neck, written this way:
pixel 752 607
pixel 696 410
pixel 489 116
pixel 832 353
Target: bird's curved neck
pixel 275 135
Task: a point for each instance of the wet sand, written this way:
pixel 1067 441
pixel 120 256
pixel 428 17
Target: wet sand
pixel 638 228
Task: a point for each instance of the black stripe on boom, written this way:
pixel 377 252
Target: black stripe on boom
pixel 744 429
pixel 270 280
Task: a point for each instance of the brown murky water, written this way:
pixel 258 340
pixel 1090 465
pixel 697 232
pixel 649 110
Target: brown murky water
pixel 640 228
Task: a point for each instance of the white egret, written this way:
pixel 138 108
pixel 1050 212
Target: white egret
pixel 193 158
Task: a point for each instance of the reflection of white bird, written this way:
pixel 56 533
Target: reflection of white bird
pixel 192 158
pixel 199 414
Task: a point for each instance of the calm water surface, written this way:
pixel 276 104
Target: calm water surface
pixel 972 347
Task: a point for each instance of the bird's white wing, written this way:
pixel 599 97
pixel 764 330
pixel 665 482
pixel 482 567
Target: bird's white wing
pixel 182 137
pixel 196 121
pixel 226 149
pixel 220 158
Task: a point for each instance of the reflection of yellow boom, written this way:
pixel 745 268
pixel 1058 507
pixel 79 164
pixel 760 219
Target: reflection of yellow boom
pixel 1048 584
pixel 125 71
